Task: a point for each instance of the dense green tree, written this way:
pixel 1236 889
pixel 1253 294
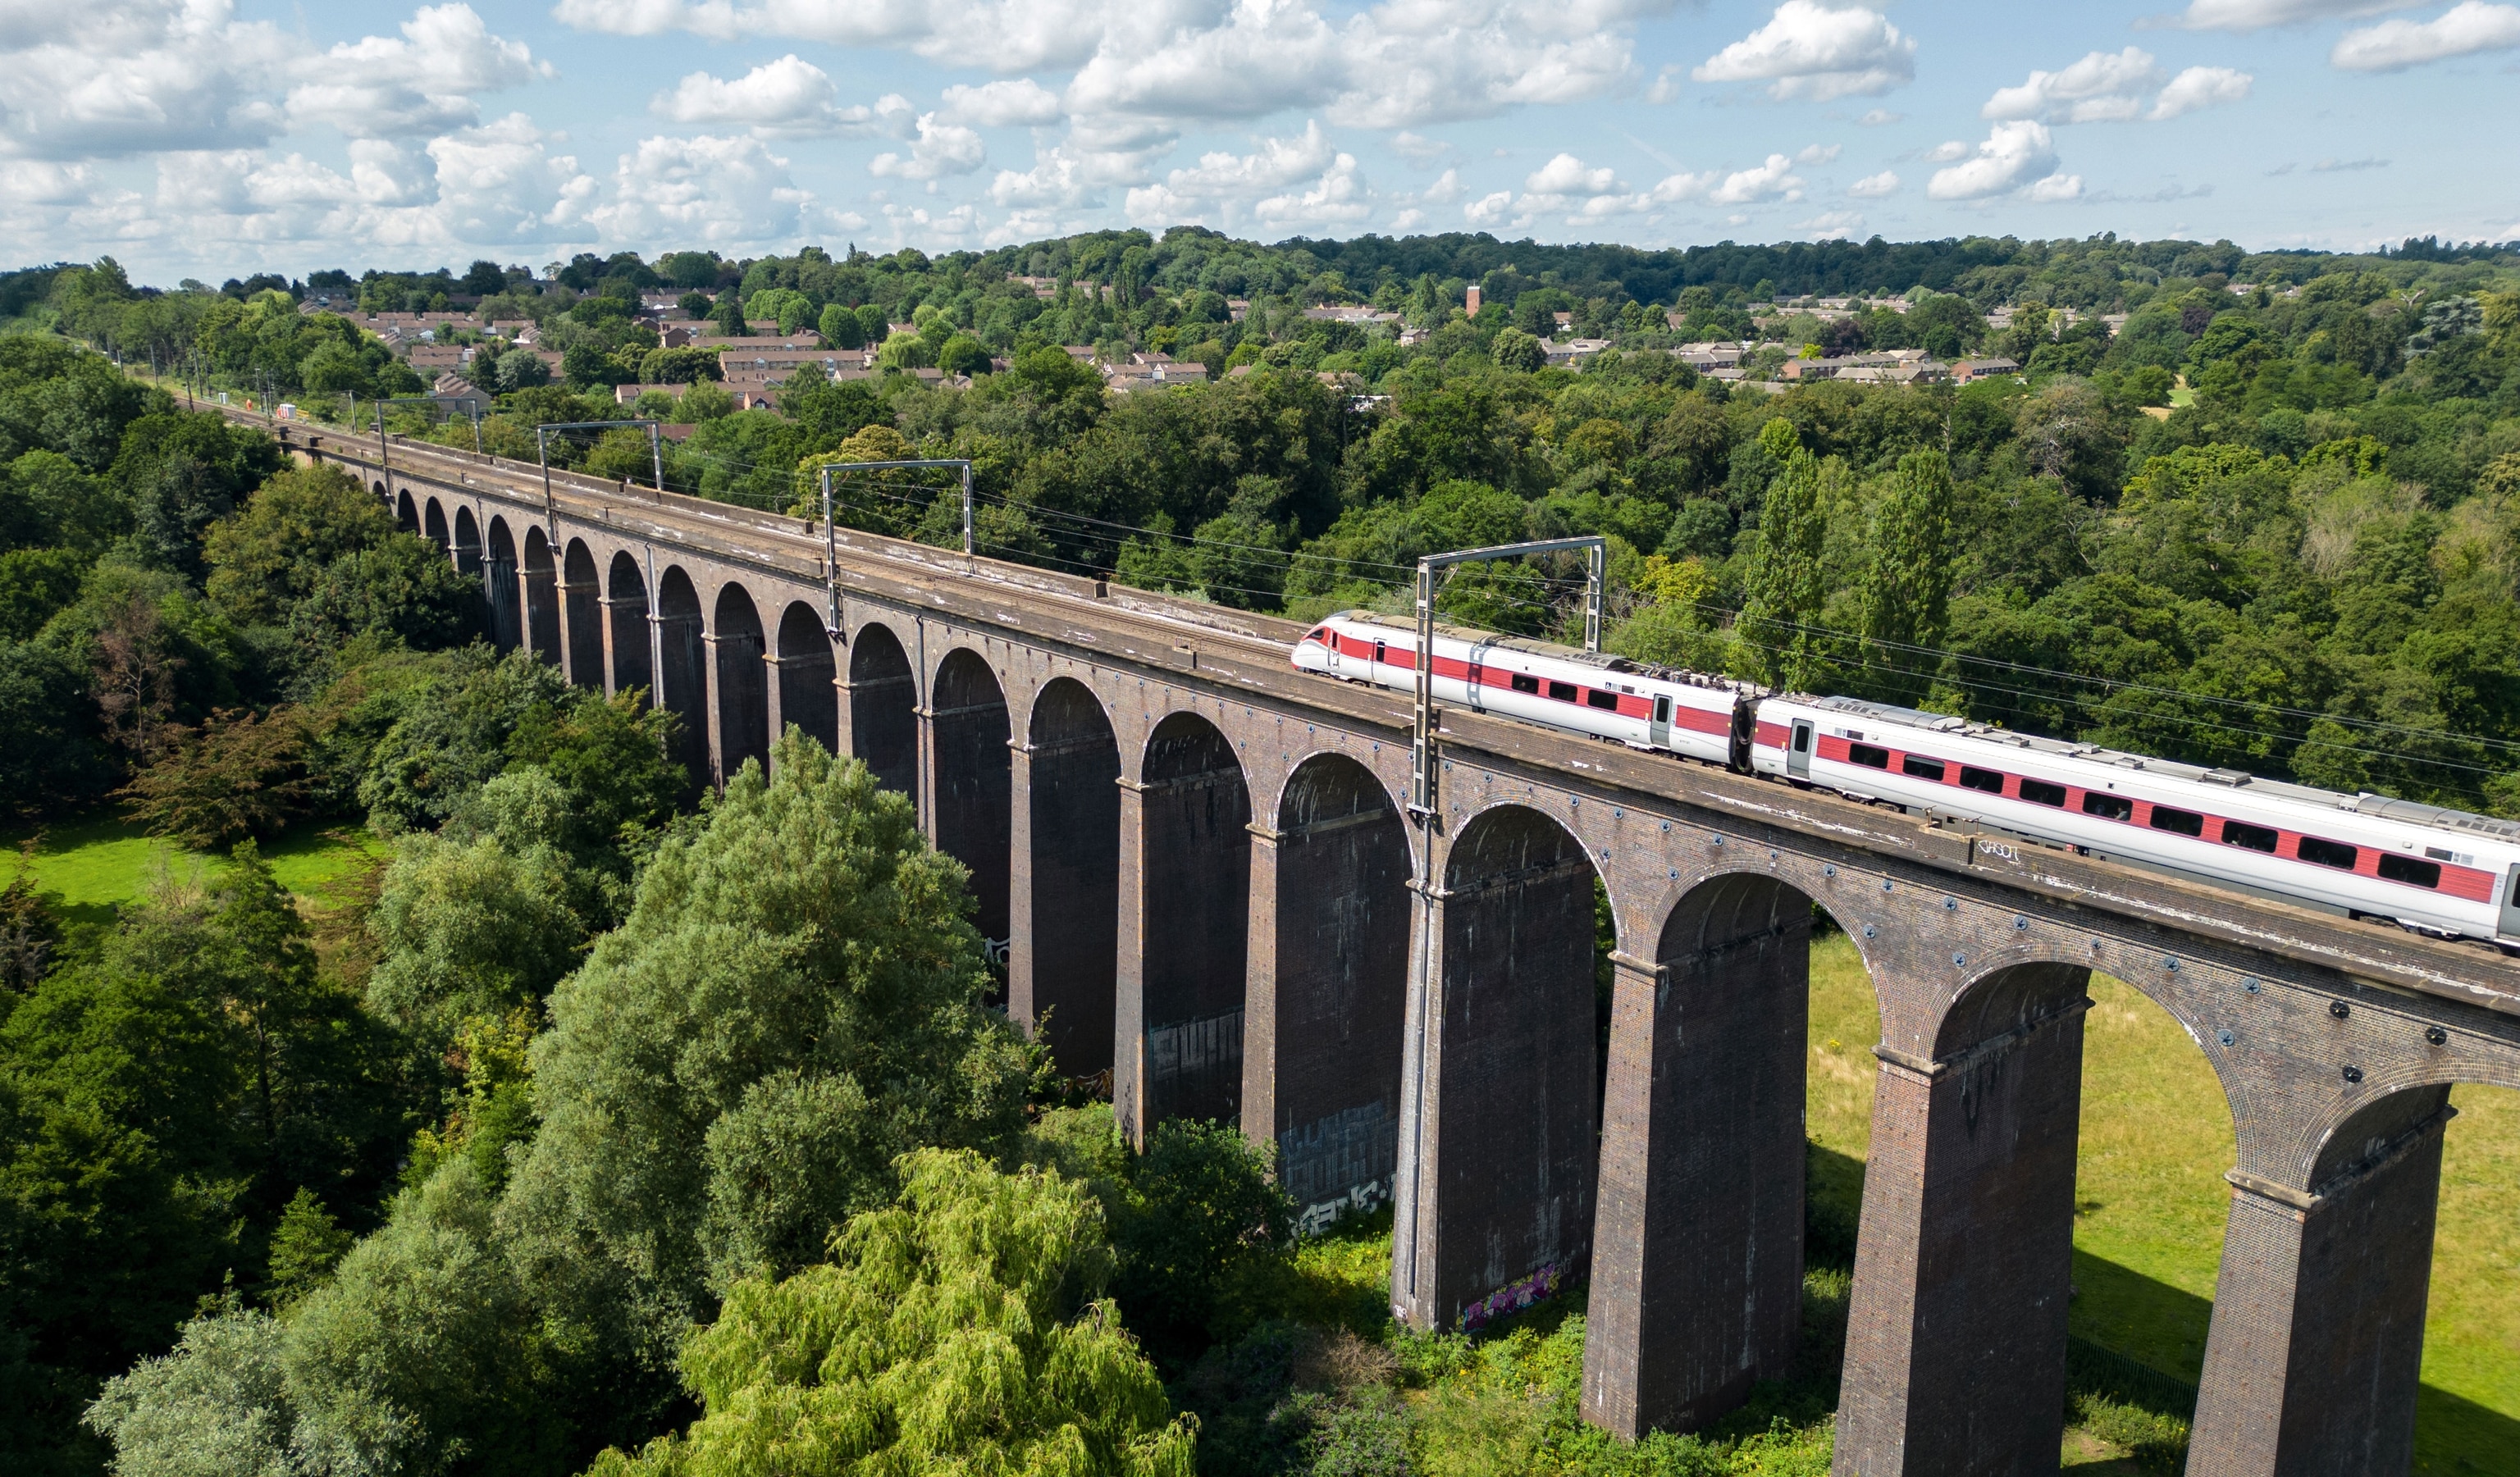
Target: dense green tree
pixel 1788 584
pixel 961 1330
pixel 1908 577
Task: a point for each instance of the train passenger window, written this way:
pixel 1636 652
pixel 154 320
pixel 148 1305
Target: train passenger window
pixel 1867 754
pixel 2398 869
pixel 2041 792
pixel 1920 766
pixel 2106 807
pixel 1598 699
pixel 1986 779
pixel 2185 822
pixel 1563 692
pixel 2254 837
pixel 1662 709
pixel 1523 682
pixel 1802 740
pixel 2334 854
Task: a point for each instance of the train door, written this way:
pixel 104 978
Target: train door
pixel 1660 734
pixel 2511 928
pixel 1330 642
pixel 1477 680
pixel 1798 750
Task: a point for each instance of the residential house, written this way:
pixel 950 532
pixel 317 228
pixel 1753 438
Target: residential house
pixel 1966 369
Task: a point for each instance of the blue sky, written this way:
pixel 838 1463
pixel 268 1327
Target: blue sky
pixel 214 137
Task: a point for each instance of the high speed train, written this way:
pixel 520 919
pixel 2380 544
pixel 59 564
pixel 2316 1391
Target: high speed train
pixel 2438 872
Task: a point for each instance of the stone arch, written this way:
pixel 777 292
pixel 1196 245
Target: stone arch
pixel 581 607
pixel 541 596
pixel 1185 928
pixel 406 512
pixel 468 542
pixel 1959 1332
pixel 383 493
pixel 739 684
pixel 1495 1204
pixel 1330 987
pixel 499 581
pixel 2317 1347
pixel 625 599
pixel 1703 1158
pixel 434 525
pixel 972 807
pixel 882 697
pixel 1065 901
pixel 682 669
pixel 803 663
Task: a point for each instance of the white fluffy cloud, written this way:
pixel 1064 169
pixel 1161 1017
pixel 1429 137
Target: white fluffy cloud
pixel 2116 87
pixel 422 81
pixel 1874 186
pixel 2464 29
pixel 2257 15
pixel 2017 158
pixel 706 191
pixel 940 148
pixel 1286 181
pixel 78 83
pixel 1017 103
pixel 789 97
pixel 1813 52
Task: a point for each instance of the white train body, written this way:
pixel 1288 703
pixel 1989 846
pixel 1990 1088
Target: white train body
pixel 1606 697
pixel 2440 871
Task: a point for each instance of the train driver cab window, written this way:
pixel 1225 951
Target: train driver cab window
pixel 1523 682
pixel 1563 692
pixel 1600 699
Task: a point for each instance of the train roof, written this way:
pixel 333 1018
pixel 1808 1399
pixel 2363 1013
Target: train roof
pixel 2413 812
pixel 1599 661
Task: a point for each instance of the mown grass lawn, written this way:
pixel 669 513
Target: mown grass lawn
pixel 94 864
pixel 2150 1202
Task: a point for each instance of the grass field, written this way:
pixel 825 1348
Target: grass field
pixel 96 864
pixel 2150 1200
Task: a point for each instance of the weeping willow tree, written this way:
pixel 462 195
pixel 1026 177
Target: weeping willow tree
pixel 961 1330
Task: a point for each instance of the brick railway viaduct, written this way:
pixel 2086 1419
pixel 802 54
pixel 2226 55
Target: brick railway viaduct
pixel 1199 863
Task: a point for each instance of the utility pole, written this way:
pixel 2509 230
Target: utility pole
pixel 830 533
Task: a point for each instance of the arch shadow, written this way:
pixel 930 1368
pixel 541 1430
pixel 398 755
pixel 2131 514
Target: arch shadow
pixel 406 513
pixel 541 596
pixel 1192 930
pixel 741 683
pixel 499 583
pixel 1330 988
pixel 974 791
pixel 582 617
pixel 434 525
pixel 682 669
pixel 884 701
pixel 468 543
pixel 806 697
pixel 634 664
pixel 1499 1210
pixel 1066 904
